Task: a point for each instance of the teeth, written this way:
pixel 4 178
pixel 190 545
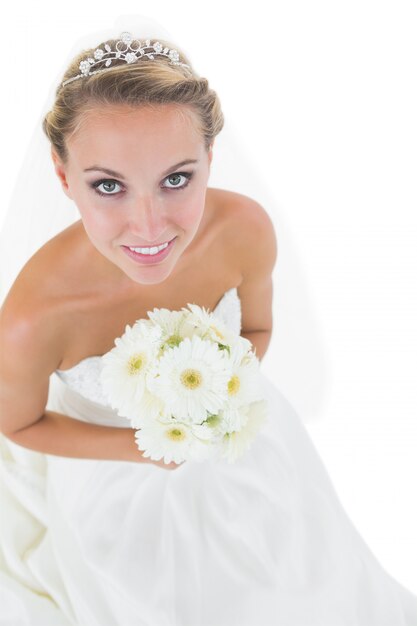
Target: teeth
pixel 152 250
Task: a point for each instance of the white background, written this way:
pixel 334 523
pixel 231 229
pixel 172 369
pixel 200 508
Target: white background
pixel 321 98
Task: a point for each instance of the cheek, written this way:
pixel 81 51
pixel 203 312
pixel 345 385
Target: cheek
pixel 98 224
pixel 189 216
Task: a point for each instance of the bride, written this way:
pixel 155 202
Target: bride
pixel 92 532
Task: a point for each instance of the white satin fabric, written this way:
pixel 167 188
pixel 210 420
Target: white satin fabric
pixel 262 542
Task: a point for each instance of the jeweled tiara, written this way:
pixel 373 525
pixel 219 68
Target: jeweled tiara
pixel 126 52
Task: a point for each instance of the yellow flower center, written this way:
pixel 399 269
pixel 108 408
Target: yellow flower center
pixel 136 363
pixel 233 385
pixel 191 378
pixel 175 434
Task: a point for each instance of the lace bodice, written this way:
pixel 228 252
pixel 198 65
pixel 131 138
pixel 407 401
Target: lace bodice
pixel 84 377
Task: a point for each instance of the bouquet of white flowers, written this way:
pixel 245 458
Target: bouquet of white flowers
pixel 187 383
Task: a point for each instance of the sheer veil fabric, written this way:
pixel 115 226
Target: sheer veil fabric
pixel 86 542
pixel 39 209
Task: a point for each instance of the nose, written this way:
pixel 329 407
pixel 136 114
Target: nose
pixel 147 222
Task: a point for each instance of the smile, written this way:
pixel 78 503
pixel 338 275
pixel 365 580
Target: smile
pixel 153 250
pixel 150 255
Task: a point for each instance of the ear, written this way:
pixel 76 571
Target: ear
pixel 210 153
pixel 60 171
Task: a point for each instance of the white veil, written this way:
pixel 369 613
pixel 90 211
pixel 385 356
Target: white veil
pixel 39 209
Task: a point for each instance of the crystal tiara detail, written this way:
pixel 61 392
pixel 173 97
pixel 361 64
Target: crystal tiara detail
pixel 127 52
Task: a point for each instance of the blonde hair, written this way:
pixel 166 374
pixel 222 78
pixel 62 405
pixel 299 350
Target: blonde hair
pixel 146 82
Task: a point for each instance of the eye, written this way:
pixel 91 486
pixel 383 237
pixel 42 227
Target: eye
pixel 176 177
pixel 97 184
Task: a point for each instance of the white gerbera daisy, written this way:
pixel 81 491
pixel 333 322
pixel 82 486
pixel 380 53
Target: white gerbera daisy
pixel 209 326
pixel 148 407
pixel 243 386
pixel 236 443
pixel 170 441
pixel 192 379
pixel 172 324
pixel 124 367
pixel 233 420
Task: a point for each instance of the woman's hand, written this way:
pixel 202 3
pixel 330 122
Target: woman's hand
pixel 134 454
pixel 167 466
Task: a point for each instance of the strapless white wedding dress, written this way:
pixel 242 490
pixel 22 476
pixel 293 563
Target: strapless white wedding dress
pixel 262 542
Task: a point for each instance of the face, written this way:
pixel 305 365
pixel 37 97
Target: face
pixel 148 198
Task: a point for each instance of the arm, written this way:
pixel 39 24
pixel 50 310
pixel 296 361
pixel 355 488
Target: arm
pixel 260 340
pixel 30 350
pixel 258 252
pixel 58 434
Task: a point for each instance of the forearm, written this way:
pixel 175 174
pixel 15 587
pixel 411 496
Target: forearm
pixel 61 435
pixel 260 340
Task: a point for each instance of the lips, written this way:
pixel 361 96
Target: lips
pixel 150 259
pixel 148 245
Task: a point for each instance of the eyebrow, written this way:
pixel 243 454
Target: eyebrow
pixel 98 168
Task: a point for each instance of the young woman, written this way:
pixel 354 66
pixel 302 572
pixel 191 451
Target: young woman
pixel 107 536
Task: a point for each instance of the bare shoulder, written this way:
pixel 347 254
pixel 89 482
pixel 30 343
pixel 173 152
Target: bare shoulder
pixel 30 347
pixel 249 231
pixel 31 344
pixel 31 315
pixel 252 243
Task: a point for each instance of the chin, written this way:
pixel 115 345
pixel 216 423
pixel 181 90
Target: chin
pixel 150 280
